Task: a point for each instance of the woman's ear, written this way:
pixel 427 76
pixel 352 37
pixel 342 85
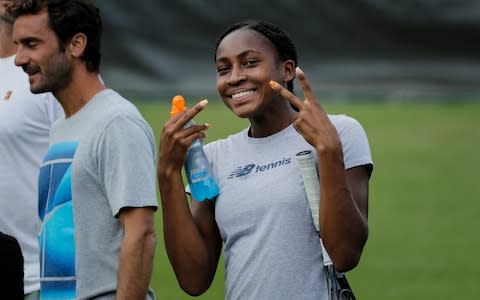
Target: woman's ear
pixel 77 45
pixel 289 70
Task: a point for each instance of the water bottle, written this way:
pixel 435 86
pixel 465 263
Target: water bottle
pixel 197 168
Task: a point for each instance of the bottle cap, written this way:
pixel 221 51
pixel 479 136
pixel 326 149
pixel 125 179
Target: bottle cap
pixel 178 105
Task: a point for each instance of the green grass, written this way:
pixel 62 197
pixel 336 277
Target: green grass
pixel 424 200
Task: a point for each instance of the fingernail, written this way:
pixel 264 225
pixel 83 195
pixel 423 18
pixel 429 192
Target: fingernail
pixel 273 84
pixel 299 70
pixel 203 103
pixel 208 125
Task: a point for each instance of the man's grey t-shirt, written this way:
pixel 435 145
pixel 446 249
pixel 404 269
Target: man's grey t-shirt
pixel 100 160
pixel 271 248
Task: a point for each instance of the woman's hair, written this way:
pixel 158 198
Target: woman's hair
pixel 279 38
pixel 66 19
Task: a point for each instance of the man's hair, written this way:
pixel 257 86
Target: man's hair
pixel 66 19
pixel 281 41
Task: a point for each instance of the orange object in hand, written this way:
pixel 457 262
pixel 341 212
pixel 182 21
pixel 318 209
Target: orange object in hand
pixel 178 105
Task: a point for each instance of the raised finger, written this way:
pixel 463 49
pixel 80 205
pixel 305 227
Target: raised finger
pixel 189 114
pixel 285 93
pixel 192 112
pixel 307 90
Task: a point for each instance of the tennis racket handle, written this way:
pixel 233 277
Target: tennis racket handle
pixel 312 189
pixel 326 258
pixel 312 184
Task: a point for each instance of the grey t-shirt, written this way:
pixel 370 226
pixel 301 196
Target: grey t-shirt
pixel 271 248
pixel 100 160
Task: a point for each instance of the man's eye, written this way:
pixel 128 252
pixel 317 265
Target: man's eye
pixel 250 62
pixel 32 44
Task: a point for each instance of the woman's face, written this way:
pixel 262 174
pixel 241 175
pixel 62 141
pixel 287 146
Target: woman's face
pixel 246 61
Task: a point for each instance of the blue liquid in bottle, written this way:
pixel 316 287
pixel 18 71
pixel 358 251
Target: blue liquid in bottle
pixel 200 179
pixel 197 168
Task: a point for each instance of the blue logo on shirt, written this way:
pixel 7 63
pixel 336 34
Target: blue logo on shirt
pixel 247 169
pixel 57 236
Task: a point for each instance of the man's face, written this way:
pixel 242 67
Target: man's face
pixel 39 54
pixel 3 10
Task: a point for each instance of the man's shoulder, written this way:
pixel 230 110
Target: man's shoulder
pixel 114 104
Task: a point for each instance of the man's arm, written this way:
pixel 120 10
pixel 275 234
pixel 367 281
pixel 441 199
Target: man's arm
pixel 136 255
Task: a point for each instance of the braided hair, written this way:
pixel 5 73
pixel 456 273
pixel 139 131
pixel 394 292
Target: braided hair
pixel 279 38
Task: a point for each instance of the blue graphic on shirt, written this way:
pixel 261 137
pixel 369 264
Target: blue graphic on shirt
pixel 253 168
pixel 57 235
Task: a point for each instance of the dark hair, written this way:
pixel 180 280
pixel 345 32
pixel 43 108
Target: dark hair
pixel 279 38
pixel 67 18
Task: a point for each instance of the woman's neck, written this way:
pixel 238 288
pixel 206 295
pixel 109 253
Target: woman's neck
pixel 271 122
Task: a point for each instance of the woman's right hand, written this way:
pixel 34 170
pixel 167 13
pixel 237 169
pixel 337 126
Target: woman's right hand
pixel 175 139
pixel 192 238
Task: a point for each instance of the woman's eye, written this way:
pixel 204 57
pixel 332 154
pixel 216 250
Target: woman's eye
pixel 250 62
pixel 222 69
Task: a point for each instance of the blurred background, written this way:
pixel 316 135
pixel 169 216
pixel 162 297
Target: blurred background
pixel 408 70
pixel 371 49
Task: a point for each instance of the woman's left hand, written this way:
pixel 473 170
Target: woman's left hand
pixel 311 122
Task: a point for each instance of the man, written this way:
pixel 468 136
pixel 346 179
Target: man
pixel 97 189
pixel 25 121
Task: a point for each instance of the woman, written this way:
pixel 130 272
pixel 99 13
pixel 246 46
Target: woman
pixel 261 215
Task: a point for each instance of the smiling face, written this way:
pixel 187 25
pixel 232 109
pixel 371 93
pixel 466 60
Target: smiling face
pixel 246 61
pixel 39 54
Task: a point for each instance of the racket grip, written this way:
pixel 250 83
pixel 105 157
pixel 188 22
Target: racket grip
pixel 312 189
pixel 312 184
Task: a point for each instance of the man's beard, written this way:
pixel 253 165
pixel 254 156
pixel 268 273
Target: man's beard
pixel 54 77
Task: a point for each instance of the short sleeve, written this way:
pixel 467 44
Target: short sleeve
pixel 126 164
pixel 356 148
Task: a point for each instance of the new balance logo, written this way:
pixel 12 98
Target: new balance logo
pixel 253 168
pixel 241 171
